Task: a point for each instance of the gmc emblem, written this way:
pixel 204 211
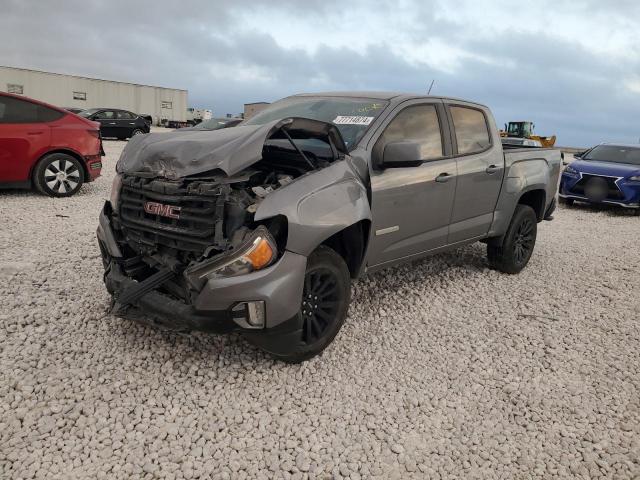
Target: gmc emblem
pixel 155 208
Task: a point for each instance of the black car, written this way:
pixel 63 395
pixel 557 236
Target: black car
pixel 215 124
pixel 120 124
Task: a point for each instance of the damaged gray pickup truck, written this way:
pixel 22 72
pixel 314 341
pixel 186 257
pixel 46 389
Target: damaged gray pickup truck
pixel 260 228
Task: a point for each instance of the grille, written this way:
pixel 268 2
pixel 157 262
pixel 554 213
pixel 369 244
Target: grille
pixel 192 232
pixel 614 192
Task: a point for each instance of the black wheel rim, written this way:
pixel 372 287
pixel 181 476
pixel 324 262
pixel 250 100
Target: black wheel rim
pixel 523 243
pixel 320 300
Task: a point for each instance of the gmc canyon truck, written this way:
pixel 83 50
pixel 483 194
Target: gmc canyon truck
pixel 261 227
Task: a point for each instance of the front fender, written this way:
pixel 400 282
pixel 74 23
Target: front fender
pixel 318 205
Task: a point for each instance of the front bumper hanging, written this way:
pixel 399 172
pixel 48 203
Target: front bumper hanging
pixel 160 310
pixel 221 305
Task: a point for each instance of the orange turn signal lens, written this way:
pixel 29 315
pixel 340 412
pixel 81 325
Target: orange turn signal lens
pixel 261 254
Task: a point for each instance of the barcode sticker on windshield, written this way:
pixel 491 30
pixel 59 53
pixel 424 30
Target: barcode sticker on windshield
pixel 352 120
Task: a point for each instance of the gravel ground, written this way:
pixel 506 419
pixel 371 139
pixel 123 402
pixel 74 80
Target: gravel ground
pixel 444 368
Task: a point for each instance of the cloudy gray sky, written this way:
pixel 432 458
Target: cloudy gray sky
pixel 571 66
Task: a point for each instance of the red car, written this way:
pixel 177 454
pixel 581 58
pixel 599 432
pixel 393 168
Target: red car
pixel 47 147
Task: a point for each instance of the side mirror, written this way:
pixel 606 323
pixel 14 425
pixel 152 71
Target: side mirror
pixel 401 154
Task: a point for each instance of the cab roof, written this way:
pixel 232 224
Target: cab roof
pixel 397 97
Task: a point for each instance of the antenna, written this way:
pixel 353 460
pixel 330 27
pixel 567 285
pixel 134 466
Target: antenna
pixel 431 86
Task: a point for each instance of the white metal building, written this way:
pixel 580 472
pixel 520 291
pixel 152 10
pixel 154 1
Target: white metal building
pixel 250 109
pixel 83 92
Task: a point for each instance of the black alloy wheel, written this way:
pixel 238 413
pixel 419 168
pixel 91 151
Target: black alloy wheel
pixel 323 309
pixel 511 252
pixel 320 304
pixel 524 241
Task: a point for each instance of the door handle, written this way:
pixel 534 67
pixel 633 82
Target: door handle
pixel 112 123
pixel 491 169
pixel 444 177
pixel 35 133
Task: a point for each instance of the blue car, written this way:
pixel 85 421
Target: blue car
pixel 606 174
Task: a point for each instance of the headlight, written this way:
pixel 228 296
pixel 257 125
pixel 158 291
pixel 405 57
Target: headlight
pixel 635 178
pixel 571 171
pixel 258 252
pixel 114 198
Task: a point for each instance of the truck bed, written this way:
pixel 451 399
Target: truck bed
pixel 526 169
pixel 507 146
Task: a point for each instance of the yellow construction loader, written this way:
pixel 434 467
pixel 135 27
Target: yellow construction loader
pixel 525 130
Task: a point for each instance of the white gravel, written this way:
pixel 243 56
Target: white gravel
pixel 444 369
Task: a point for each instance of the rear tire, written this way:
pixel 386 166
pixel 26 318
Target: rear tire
pixel 513 254
pixel 58 175
pixel 325 302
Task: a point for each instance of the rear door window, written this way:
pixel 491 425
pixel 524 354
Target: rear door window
pixel 472 132
pixel 106 115
pixel 46 114
pixel 418 123
pixel 124 115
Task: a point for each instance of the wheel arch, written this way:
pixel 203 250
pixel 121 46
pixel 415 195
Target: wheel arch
pixel 351 244
pixel 67 151
pixel 536 199
pixel 534 196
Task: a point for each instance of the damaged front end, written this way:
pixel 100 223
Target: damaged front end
pixel 179 238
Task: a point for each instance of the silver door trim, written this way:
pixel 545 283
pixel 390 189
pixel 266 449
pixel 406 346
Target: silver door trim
pixel 384 231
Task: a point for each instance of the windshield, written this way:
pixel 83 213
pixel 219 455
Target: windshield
pixel 520 129
pixel 88 113
pixel 351 116
pixel 213 124
pixel 614 154
pixel 514 128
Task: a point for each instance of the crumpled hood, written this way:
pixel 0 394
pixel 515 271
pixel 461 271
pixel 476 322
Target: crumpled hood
pixel 181 153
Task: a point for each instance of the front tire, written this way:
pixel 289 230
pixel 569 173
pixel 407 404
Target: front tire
pixel 58 175
pixel 135 132
pixel 324 305
pixel 514 252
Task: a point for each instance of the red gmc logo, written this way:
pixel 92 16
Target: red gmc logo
pixel 155 208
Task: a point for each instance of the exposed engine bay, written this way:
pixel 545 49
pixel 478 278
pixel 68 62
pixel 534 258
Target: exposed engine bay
pixel 186 222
